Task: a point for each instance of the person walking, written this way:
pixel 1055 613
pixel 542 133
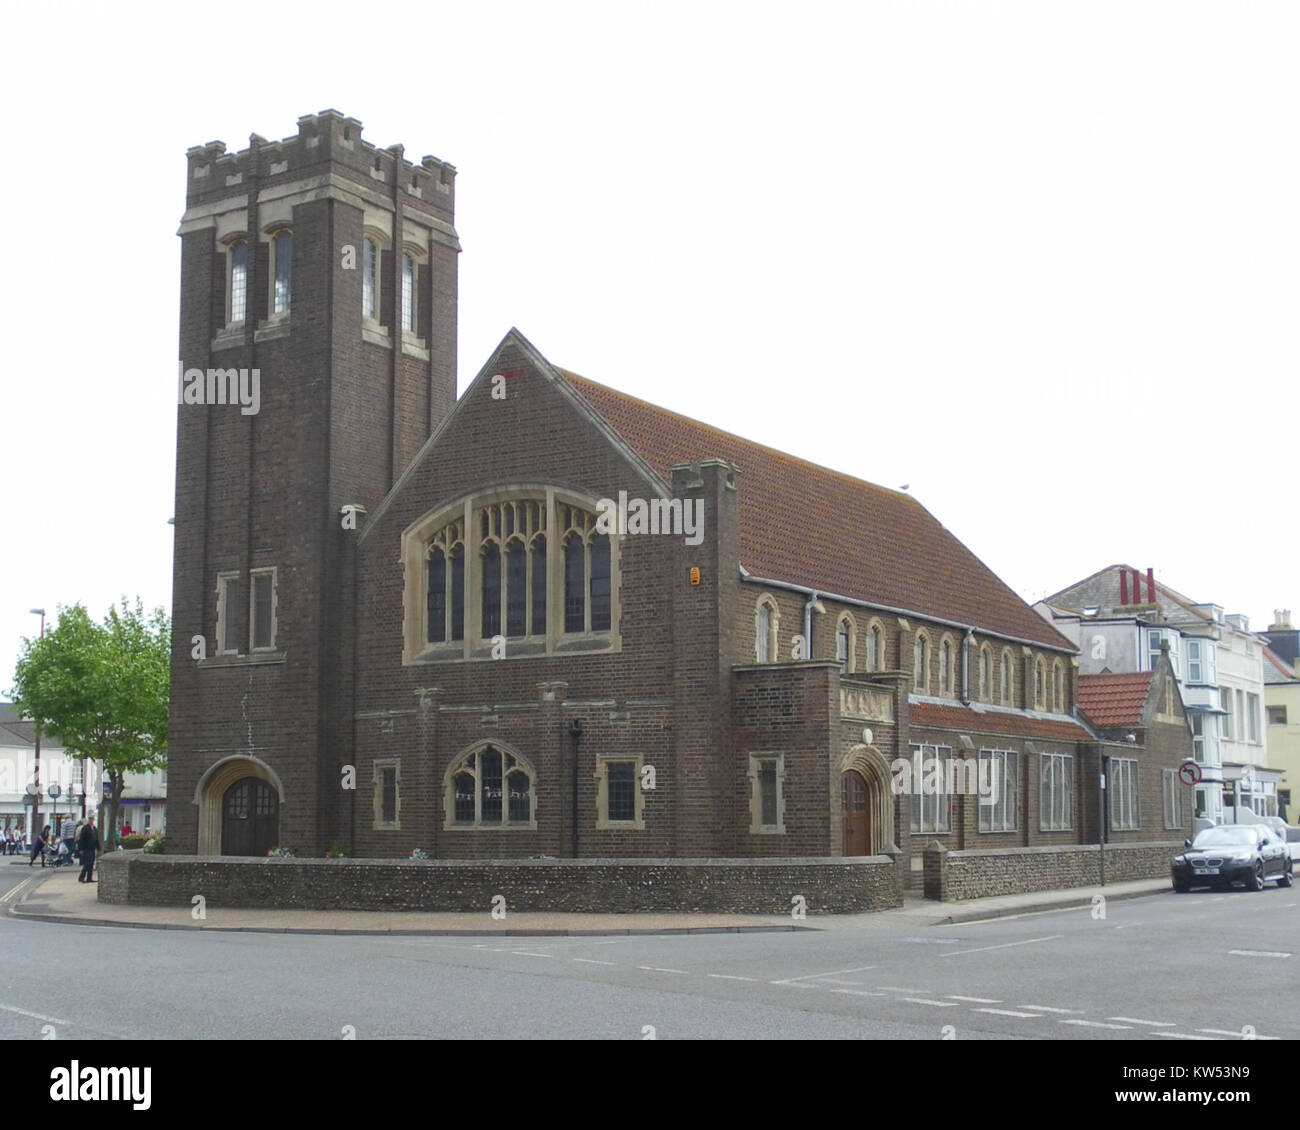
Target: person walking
pixel 38 845
pixel 6 840
pixel 88 844
pixel 68 833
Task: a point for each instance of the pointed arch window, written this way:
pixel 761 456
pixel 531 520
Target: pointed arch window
pixel 238 281
pixel 1006 687
pixel 986 675
pixel 921 663
pixel 875 648
pixel 945 667
pixel 490 788
pixel 844 643
pixel 765 629
pixel 1039 690
pixel 282 271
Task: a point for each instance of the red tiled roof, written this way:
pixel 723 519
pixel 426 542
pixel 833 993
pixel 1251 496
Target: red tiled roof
pixel 1114 700
pixel 811 526
pixel 963 718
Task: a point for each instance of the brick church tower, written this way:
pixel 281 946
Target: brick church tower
pixel 317 354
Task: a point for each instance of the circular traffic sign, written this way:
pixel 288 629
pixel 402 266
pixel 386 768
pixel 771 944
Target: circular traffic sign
pixel 1189 773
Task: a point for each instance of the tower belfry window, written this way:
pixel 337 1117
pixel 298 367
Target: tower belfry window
pixel 369 279
pixel 238 282
pixel 282 249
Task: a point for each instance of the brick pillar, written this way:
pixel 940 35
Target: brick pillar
pixel 555 804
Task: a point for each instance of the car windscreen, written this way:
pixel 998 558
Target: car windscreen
pixel 1226 837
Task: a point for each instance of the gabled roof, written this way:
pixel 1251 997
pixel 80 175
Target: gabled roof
pixel 810 526
pixel 1114 700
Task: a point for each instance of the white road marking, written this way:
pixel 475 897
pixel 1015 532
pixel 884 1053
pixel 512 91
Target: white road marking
pixel 730 977
pixel 1003 946
pixel 974 1000
pixel 1259 953
pixel 1135 1020
pixel 1094 1024
pixel 1048 1008
pixel 657 969
pixel 33 1015
pixel 828 973
pixel 837 981
pixel 525 953
pixel 1008 1012
pixel 857 992
pixel 940 1004
pixel 898 989
pixel 1179 1036
pixel 590 961
pixel 1238 1033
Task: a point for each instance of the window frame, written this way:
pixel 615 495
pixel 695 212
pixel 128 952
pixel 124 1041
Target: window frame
pixel 921 662
pixel 1122 807
pixel 1062 774
pixel 601 775
pixel 919 800
pixel 771 644
pixel 1172 800
pixel 846 634
pixel 225 621
pixel 273 271
pixel 1008 802
pixel 272 572
pixel 381 767
pixel 460 765
pixel 757 826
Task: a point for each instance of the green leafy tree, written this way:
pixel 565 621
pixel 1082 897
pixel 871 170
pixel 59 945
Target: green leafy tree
pixel 102 691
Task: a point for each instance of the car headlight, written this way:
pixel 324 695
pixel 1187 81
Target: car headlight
pixel 1180 859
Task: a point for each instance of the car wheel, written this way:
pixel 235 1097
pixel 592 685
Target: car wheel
pixel 1284 880
pixel 1256 880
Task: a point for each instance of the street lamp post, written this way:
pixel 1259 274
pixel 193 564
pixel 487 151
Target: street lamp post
pixel 37 798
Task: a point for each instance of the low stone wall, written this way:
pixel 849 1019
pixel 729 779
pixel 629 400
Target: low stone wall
pixel 726 886
pixel 1016 871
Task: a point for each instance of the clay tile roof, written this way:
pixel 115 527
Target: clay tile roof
pixel 1114 700
pixel 992 721
pixel 811 526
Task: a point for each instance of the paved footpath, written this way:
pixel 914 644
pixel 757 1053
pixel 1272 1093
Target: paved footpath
pixel 55 895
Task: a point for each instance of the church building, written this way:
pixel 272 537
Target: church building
pixel 548 618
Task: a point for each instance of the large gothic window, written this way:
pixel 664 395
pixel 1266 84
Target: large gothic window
pixel 529 569
pixel 489 788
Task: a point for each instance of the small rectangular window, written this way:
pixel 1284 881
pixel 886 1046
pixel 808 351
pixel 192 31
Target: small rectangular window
pixel 622 791
pixel 1277 715
pixel 931 805
pixel 1252 717
pixel 1195 668
pixel 369 278
pixel 283 248
pixel 767 792
pixel 231 617
pixel 999 778
pixel 238 282
pixel 1123 795
pixel 388 795
pixel 263 627
pixel 1225 703
pixel 408 294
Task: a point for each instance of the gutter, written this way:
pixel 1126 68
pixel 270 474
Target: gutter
pixel 745 575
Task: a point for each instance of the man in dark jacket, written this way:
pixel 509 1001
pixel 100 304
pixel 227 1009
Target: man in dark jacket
pixel 88 845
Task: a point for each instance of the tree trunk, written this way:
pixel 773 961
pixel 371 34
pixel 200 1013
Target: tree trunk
pixel 116 780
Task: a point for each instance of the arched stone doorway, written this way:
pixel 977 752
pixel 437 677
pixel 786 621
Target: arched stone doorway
pixel 219 795
pixel 866 803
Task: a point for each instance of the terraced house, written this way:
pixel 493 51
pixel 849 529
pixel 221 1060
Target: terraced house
pixel 425 598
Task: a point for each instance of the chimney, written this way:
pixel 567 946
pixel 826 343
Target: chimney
pixel 1151 586
pixel 1123 588
pixel 1281 620
pixel 1137 587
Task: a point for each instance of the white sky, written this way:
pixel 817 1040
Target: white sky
pixel 1039 261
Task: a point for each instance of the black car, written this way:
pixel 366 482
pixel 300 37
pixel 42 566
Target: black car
pixel 1232 853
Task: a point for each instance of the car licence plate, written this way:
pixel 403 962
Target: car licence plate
pixel 1205 870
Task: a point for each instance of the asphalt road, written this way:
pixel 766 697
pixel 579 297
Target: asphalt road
pixel 1163 969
